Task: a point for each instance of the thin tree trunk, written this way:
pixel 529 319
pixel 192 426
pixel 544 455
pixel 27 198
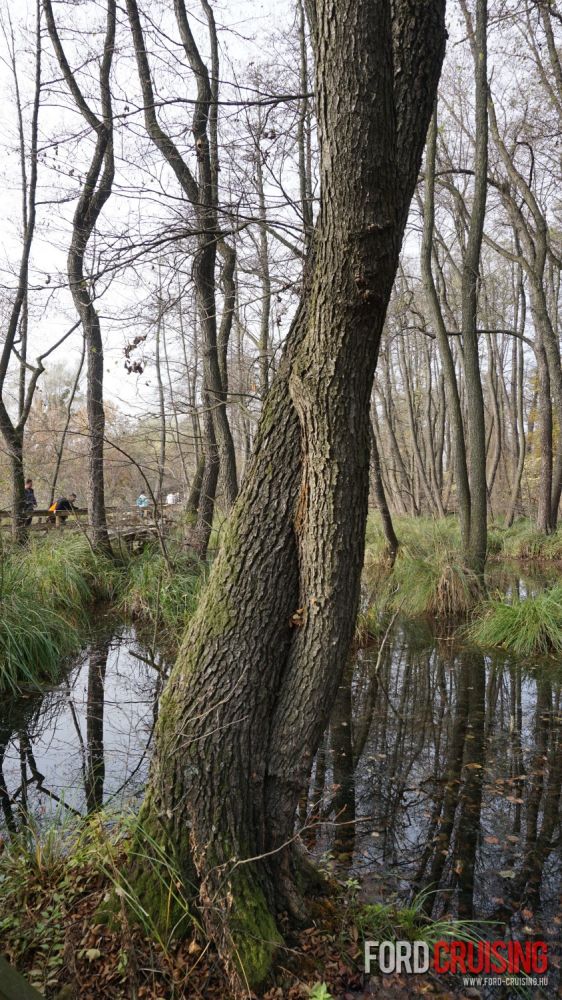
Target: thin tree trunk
pixel 447 361
pixel 544 506
pixel 62 442
pixel 202 194
pixel 158 486
pixel 519 401
pixel 380 497
pixel 470 278
pixel 96 191
pixel 13 430
pixel 94 775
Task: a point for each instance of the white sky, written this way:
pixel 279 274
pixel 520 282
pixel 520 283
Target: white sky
pixel 250 32
pixel 244 29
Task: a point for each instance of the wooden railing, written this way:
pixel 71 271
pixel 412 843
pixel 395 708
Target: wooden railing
pixel 42 519
pixel 117 517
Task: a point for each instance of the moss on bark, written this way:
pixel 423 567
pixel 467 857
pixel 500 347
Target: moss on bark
pixel 253 931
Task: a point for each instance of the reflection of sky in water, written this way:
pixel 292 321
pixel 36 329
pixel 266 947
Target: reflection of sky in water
pixel 407 720
pixel 58 731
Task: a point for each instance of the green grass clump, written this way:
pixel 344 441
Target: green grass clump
pixel 69 575
pixel 392 922
pixel 552 546
pixel 163 593
pixel 435 584
pixel 523 540
pixel 46 592
pixel 429 576
pixel 33 639
pixel 496 538
pixel 421 533
pixel 526 627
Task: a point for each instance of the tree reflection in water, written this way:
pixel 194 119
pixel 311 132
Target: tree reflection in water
pixel 84 744
pixel 445 767
pixel 440 768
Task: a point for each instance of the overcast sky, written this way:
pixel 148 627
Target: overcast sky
pixel 246 29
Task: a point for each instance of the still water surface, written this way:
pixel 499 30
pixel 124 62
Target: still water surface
pixel 86 742
pixel 441 767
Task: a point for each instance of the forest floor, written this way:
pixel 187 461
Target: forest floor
pixel 49 932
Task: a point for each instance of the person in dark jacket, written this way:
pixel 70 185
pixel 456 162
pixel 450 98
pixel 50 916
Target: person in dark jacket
pixel 62 507
pixel 30 502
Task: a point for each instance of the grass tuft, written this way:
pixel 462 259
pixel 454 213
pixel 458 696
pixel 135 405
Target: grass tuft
pixel 46 593
pixel 392 922
pixel 428 576
pixel 526 627
pixel 162 594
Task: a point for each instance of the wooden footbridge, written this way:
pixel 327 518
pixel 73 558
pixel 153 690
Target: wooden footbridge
pixel 126 525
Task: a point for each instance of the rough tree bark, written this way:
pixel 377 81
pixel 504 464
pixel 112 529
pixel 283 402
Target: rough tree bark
pixel 259 668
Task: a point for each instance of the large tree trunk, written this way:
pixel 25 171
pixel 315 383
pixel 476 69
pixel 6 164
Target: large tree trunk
pixel 259 668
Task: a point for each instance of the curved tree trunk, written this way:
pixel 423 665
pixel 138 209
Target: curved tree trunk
pixel 259 668
pixel 202 192
pixel 96 190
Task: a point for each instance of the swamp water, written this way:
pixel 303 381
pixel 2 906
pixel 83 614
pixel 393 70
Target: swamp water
pixel 85 743
pixel 441 768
